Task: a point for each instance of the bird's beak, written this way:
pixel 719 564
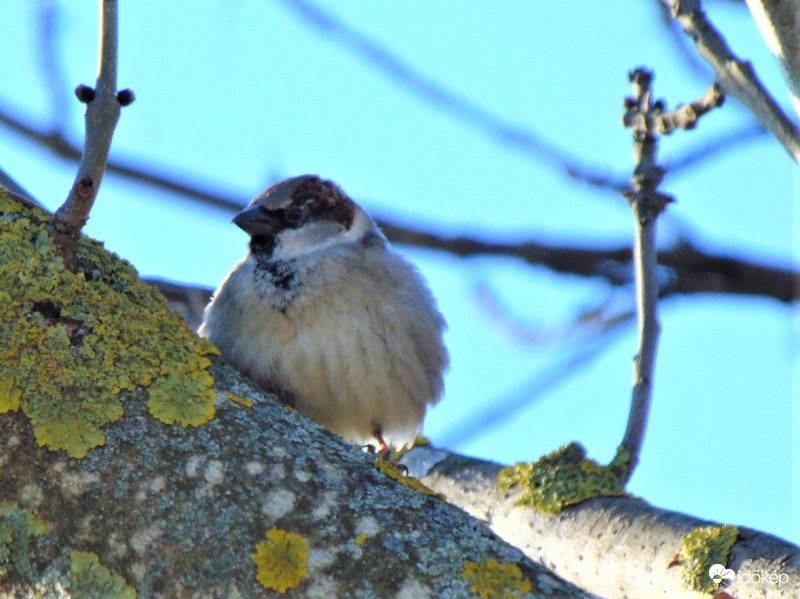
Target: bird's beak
pixel 256 222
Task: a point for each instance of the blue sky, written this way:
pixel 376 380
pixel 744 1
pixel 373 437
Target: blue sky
pixel 236 94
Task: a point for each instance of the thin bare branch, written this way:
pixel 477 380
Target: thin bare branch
pixel 450 102
pixel 53 137
pixel 736 77
pixel 713 147
pixel 102 113
pixel 686 116
pixel 47 45
pixel 186 186
pixel 647 120
pixel 504 408
pixel 643 117
pixel 683 49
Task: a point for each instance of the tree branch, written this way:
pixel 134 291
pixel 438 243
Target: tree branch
pixel 736 77
pixel 779 23
pixel 53 74
pixel 647 203
pixel 503 409
pixel 102 113
pixel 596 543
pixel 647 120
pixel 692 269
pixel 450 102
pixel 126 444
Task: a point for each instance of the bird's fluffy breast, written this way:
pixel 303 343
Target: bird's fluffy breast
pixel 358 346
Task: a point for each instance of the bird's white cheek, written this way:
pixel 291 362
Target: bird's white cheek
pixel 294 243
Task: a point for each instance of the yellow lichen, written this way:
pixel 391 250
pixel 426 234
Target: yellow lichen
pixel 495 580
pixel 193 379
pixel 9 397
pixel 420 441
pixel 565 477
pixel 243 401
pixel 394 472
pixel 75 345
pixel 281 560
pixel 89 578
pixel 361 539
pixel 702 548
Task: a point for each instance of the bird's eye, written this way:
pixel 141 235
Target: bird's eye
pixel 293 216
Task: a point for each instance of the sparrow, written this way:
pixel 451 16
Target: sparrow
pixel 324 312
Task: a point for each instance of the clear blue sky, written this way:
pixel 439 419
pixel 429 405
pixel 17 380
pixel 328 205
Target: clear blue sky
pixel 239 93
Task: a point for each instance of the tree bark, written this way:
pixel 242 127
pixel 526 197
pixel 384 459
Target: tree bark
pixel 182 511
pixel 252 499
pixel 615 547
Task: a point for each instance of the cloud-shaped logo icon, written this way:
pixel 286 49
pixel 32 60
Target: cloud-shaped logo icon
pixel 718 573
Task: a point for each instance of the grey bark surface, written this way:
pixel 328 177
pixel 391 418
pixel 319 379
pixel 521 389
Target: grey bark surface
pixel 615 547
pixel 177 511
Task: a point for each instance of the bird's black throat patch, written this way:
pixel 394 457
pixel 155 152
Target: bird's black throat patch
pixel 277 281
pixel 262 246
pixel 282 274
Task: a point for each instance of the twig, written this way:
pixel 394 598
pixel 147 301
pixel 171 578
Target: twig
pixel 47 43
pixel 369 50
pixel 718 144
pixel 683 49
pixel 102 113
pixel 54 140
pixel 736 77
pixel 647 120
pixel 503 409
pixel 453 104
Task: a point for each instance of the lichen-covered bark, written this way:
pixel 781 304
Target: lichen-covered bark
pixel 256 501
pixel 616 547
pixel 178 511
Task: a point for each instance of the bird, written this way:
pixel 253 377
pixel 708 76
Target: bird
pixel 324 312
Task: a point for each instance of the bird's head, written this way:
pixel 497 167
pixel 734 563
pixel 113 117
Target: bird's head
pixel 302 215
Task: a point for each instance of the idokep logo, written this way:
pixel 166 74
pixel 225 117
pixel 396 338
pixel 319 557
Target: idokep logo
pixel 725 576
pixel 721 574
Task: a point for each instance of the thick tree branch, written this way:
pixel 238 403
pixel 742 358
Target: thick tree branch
pixel 688 269
pixel 736 77
pixel 617 547
pixel 691 269
pixel 123 446
pixel 779 23
pixel 175 510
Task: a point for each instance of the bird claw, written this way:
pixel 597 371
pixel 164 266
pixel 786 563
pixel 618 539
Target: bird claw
pixel 384 452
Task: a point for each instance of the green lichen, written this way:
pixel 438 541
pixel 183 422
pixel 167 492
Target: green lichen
pixel 493 580
pixel 89 578
pixel 73 345
pixel 18 527
pixel 702 548
pixel 565 477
